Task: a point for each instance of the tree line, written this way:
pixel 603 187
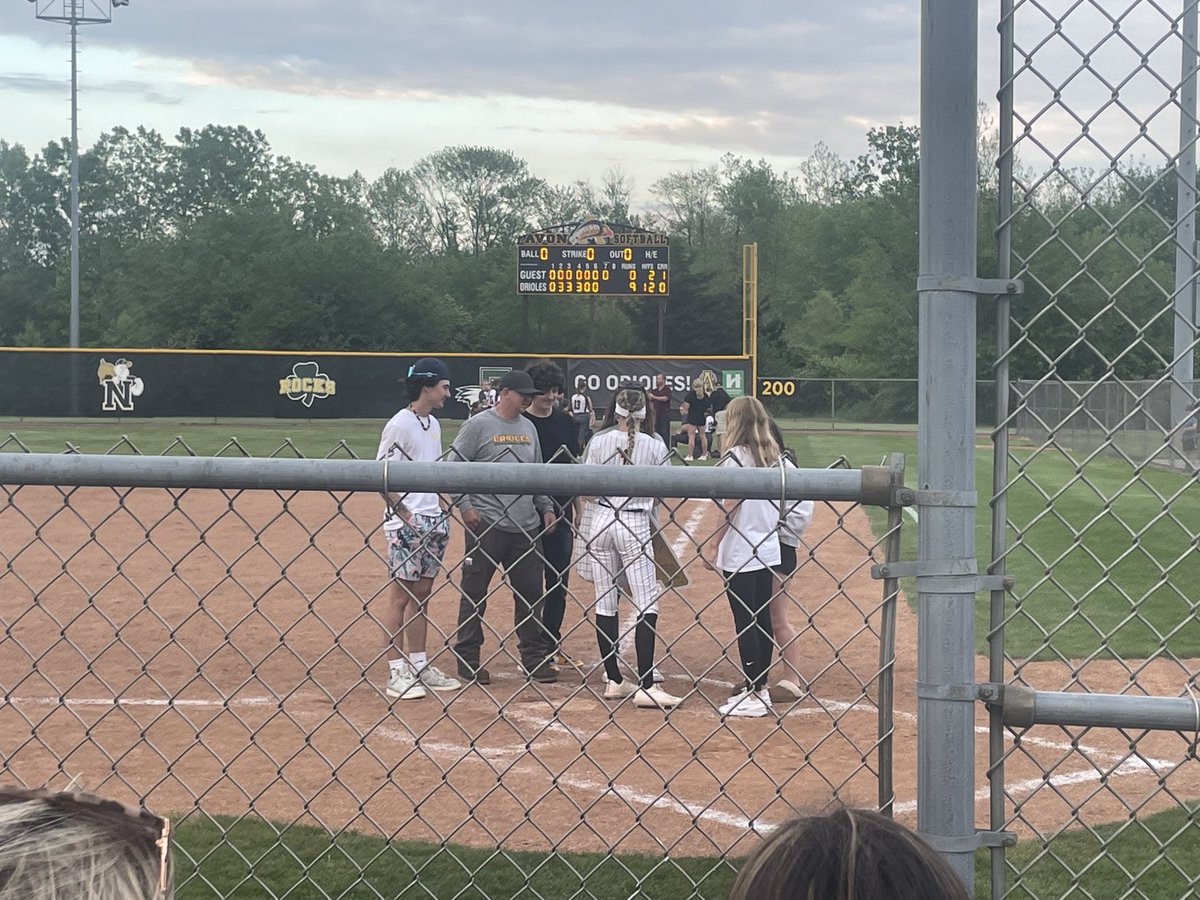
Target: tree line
pixel 211 240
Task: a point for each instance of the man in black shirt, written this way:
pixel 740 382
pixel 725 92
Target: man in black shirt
pixel 558 437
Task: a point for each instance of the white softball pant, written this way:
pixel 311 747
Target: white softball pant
pixel 621 545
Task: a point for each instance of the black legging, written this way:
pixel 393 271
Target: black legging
pixel 750 600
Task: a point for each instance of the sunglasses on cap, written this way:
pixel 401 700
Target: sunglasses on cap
pixel 132 823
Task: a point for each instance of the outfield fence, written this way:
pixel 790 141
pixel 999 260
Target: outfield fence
pixel 1130 420
pixel 852 402
pixel 206 636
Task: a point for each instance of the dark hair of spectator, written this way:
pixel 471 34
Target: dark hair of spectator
pixel 414 383
pixel 777 433
pixel 547 375
pixel 847 854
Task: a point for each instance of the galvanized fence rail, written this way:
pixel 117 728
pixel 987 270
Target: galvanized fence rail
pixel 207 636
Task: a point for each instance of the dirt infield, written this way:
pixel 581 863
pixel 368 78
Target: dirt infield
pixel 219 650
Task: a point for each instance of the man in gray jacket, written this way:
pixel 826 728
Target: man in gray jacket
pixel 503 530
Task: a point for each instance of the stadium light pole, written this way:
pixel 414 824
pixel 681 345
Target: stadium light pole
pixel 75 13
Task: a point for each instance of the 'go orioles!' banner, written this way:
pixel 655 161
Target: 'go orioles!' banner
pixel 136 383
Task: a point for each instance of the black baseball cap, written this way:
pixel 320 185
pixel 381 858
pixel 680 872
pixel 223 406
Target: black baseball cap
pixel 518 380
pixel 429 367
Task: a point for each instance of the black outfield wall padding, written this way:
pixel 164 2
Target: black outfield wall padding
pixel 181 384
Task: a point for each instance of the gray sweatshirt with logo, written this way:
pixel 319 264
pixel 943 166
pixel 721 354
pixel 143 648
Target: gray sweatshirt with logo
pixel 489 437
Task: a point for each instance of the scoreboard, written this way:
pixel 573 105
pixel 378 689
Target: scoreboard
pixel 594 269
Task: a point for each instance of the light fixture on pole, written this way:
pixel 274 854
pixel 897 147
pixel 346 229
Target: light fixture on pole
pixel 75 13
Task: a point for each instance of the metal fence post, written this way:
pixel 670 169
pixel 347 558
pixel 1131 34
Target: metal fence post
pixel 887 643
pixel 1182 401
pixel 1000 446
pixel 946 432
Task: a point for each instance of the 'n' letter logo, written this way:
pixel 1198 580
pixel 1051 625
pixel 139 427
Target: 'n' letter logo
pixel 120 388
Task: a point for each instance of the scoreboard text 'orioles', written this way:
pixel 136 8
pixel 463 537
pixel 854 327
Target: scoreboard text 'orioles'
pixel 594 259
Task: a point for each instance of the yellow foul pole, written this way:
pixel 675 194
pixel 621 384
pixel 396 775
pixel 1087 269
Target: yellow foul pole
pixel 750 311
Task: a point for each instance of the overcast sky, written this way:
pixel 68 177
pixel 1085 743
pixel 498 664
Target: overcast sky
pixel 575 89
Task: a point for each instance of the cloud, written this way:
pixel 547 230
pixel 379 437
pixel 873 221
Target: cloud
pixel 673 63
pixel 29 83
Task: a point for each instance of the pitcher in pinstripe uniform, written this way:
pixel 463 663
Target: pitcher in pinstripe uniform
pixel 621 543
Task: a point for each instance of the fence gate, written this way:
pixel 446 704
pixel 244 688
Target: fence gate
pixel 1095 510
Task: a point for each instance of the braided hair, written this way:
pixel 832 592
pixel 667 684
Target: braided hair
pixel 634 400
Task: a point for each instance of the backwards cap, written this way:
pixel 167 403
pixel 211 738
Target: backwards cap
pixel 429 367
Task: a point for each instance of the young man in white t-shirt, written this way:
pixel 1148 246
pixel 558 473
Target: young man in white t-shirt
pixel 417 531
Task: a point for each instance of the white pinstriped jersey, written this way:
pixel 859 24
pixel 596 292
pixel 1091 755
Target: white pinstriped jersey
pixel 609 447
pixel 620 541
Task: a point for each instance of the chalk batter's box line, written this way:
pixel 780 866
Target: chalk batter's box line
pixel 561 734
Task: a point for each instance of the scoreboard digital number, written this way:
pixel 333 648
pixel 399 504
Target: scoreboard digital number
pixel 594 269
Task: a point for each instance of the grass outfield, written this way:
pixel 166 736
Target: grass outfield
pixel 206 437
pixel 1104 564
pixel 252 859
pixel 1089 556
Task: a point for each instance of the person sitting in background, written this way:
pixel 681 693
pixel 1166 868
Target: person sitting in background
pixel 719 399
pixel 71 845
pixel 489 394
pixel 846 854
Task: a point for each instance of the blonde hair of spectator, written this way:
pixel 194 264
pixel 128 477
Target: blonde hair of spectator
pixel 846 854
pixel 48 852
pixel 633 400
pixel 748 425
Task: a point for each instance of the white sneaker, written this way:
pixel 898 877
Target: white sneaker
pixel 733 701
pixel 404 684
pixel 658 676
pixel 688 459
pixel 619 690
pixel 436 680
pixel 753 705
pixel 651 697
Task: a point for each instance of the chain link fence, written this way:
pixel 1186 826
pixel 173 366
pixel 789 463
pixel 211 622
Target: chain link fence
pixel 208 637
pixel 1094 497
pixel 1129 420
